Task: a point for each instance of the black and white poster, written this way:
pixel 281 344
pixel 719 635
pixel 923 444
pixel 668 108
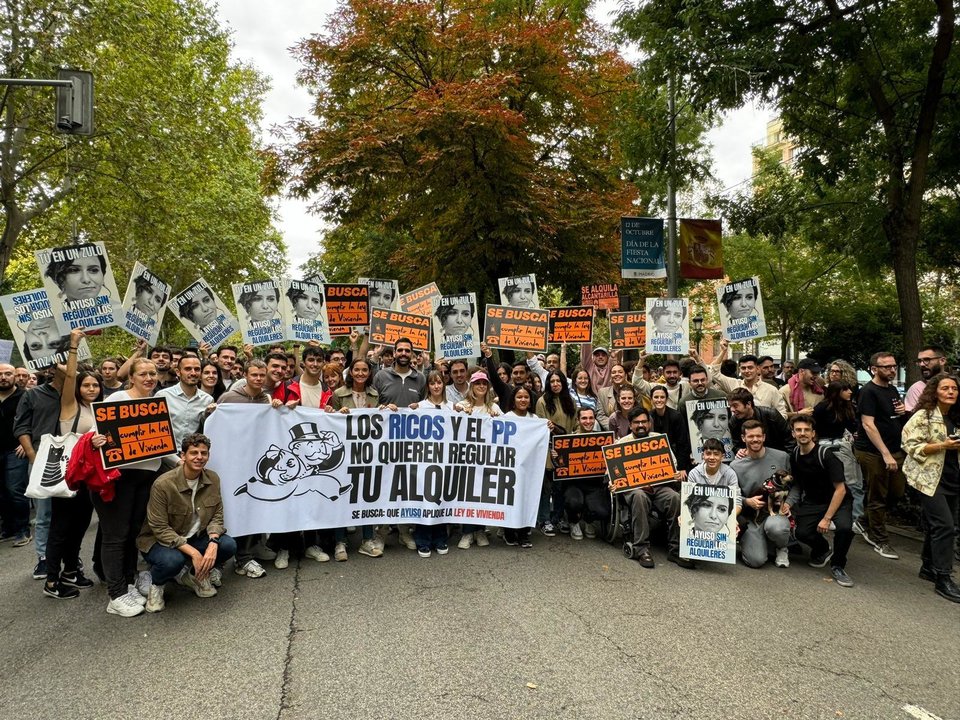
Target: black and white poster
pixel 143 304
pixel 258 311
pixel 203 313
pixel 668 329
pixel 305 312
pixel 708 523
pixel 456 329
pixel 80 285
pixel 709 419
pixel 35 330
pixel 519 291
pixel 741 310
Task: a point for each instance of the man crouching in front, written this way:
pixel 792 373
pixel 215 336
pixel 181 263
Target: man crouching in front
pixel 183 536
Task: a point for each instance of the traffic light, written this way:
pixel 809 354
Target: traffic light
pixel 75 103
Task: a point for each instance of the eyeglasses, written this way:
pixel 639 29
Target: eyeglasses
pixel 835 371
pixel 927 361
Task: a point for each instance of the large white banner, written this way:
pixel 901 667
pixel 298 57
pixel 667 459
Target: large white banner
pixel 306 469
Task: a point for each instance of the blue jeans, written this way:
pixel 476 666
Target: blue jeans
pixel 14 505
pixel 166 563
pixel 41 530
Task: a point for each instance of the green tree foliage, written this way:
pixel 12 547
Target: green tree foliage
pixel 172 177
pixel 461 142
pixel 867 88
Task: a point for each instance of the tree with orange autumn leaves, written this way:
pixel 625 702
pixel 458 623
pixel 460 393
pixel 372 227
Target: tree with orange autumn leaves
pixel 463 141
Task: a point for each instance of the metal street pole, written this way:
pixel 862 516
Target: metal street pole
pixel 671 195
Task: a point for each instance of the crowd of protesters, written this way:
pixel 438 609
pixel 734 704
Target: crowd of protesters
pixel 844 452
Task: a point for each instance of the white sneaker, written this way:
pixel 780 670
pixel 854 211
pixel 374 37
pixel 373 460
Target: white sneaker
pixel 783 557
pixel 262 552
pixel 340 552
pixel 314 552
pixel 590 530
pixel 124 606
pixel 201 588
pixel 466 540
pixel 576 533
pixel 480 537
pixel 135 595
pixel 216 577
pixel 282 561
pixel 155 601
pixel 406 538
pixel 370 549
pixel 143 583
pixel 251 569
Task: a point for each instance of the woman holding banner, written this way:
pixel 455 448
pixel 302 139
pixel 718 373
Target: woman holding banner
pixel 479 402
pixel 358 393
pixel 70 517
pixel 521 401
pixel 557 408
pixel 432 537
pixel 122 517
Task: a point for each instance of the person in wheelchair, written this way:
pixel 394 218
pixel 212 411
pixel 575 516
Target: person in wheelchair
pixel 665 499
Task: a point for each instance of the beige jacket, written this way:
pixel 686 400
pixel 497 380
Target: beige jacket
pixel 170 512
pixel 923 471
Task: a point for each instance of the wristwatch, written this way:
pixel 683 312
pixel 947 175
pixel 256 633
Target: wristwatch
pixel 215 540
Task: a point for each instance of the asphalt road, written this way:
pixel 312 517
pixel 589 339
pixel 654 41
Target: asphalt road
pixel 565 630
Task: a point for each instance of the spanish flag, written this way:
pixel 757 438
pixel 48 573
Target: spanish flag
pixel 701 249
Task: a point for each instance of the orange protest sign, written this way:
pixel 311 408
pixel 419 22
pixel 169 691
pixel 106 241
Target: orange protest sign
pixel 639 463
pixel 135 430
pixel 388 326
pixel 602 297
pixel 348 306
pixel 509 328
pixel 580 456
pixel 628 330
pixel 571 324
pixel 421 300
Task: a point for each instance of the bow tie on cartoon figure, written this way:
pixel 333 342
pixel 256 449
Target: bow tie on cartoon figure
pixel 299 469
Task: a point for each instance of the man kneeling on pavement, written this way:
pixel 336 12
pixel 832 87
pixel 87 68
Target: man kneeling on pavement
pixel 818 497
pixel 183 537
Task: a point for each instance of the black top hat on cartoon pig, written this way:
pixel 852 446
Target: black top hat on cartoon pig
pixel 318 450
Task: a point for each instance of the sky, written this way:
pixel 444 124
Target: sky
pixel 263 38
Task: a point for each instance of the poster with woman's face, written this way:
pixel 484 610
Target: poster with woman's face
pixel 519 291
pixel 304 312
pixel 35 330
pixel 79 282
pixel 203 313
pixel 456 329
pixel 708 521
pixel 709 419
pixel 741 310
pixel 258 311
pixel 142 312
pixel 668 328
pixel 384 294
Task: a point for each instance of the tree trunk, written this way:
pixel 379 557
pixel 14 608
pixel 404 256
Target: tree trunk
pixel 903 235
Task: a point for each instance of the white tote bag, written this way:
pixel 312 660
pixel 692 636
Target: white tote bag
pixel 47 476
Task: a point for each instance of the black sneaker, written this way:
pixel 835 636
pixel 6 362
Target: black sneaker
pixel 40 569
pixel 819 561
pixel 76 580
pixel 59 591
